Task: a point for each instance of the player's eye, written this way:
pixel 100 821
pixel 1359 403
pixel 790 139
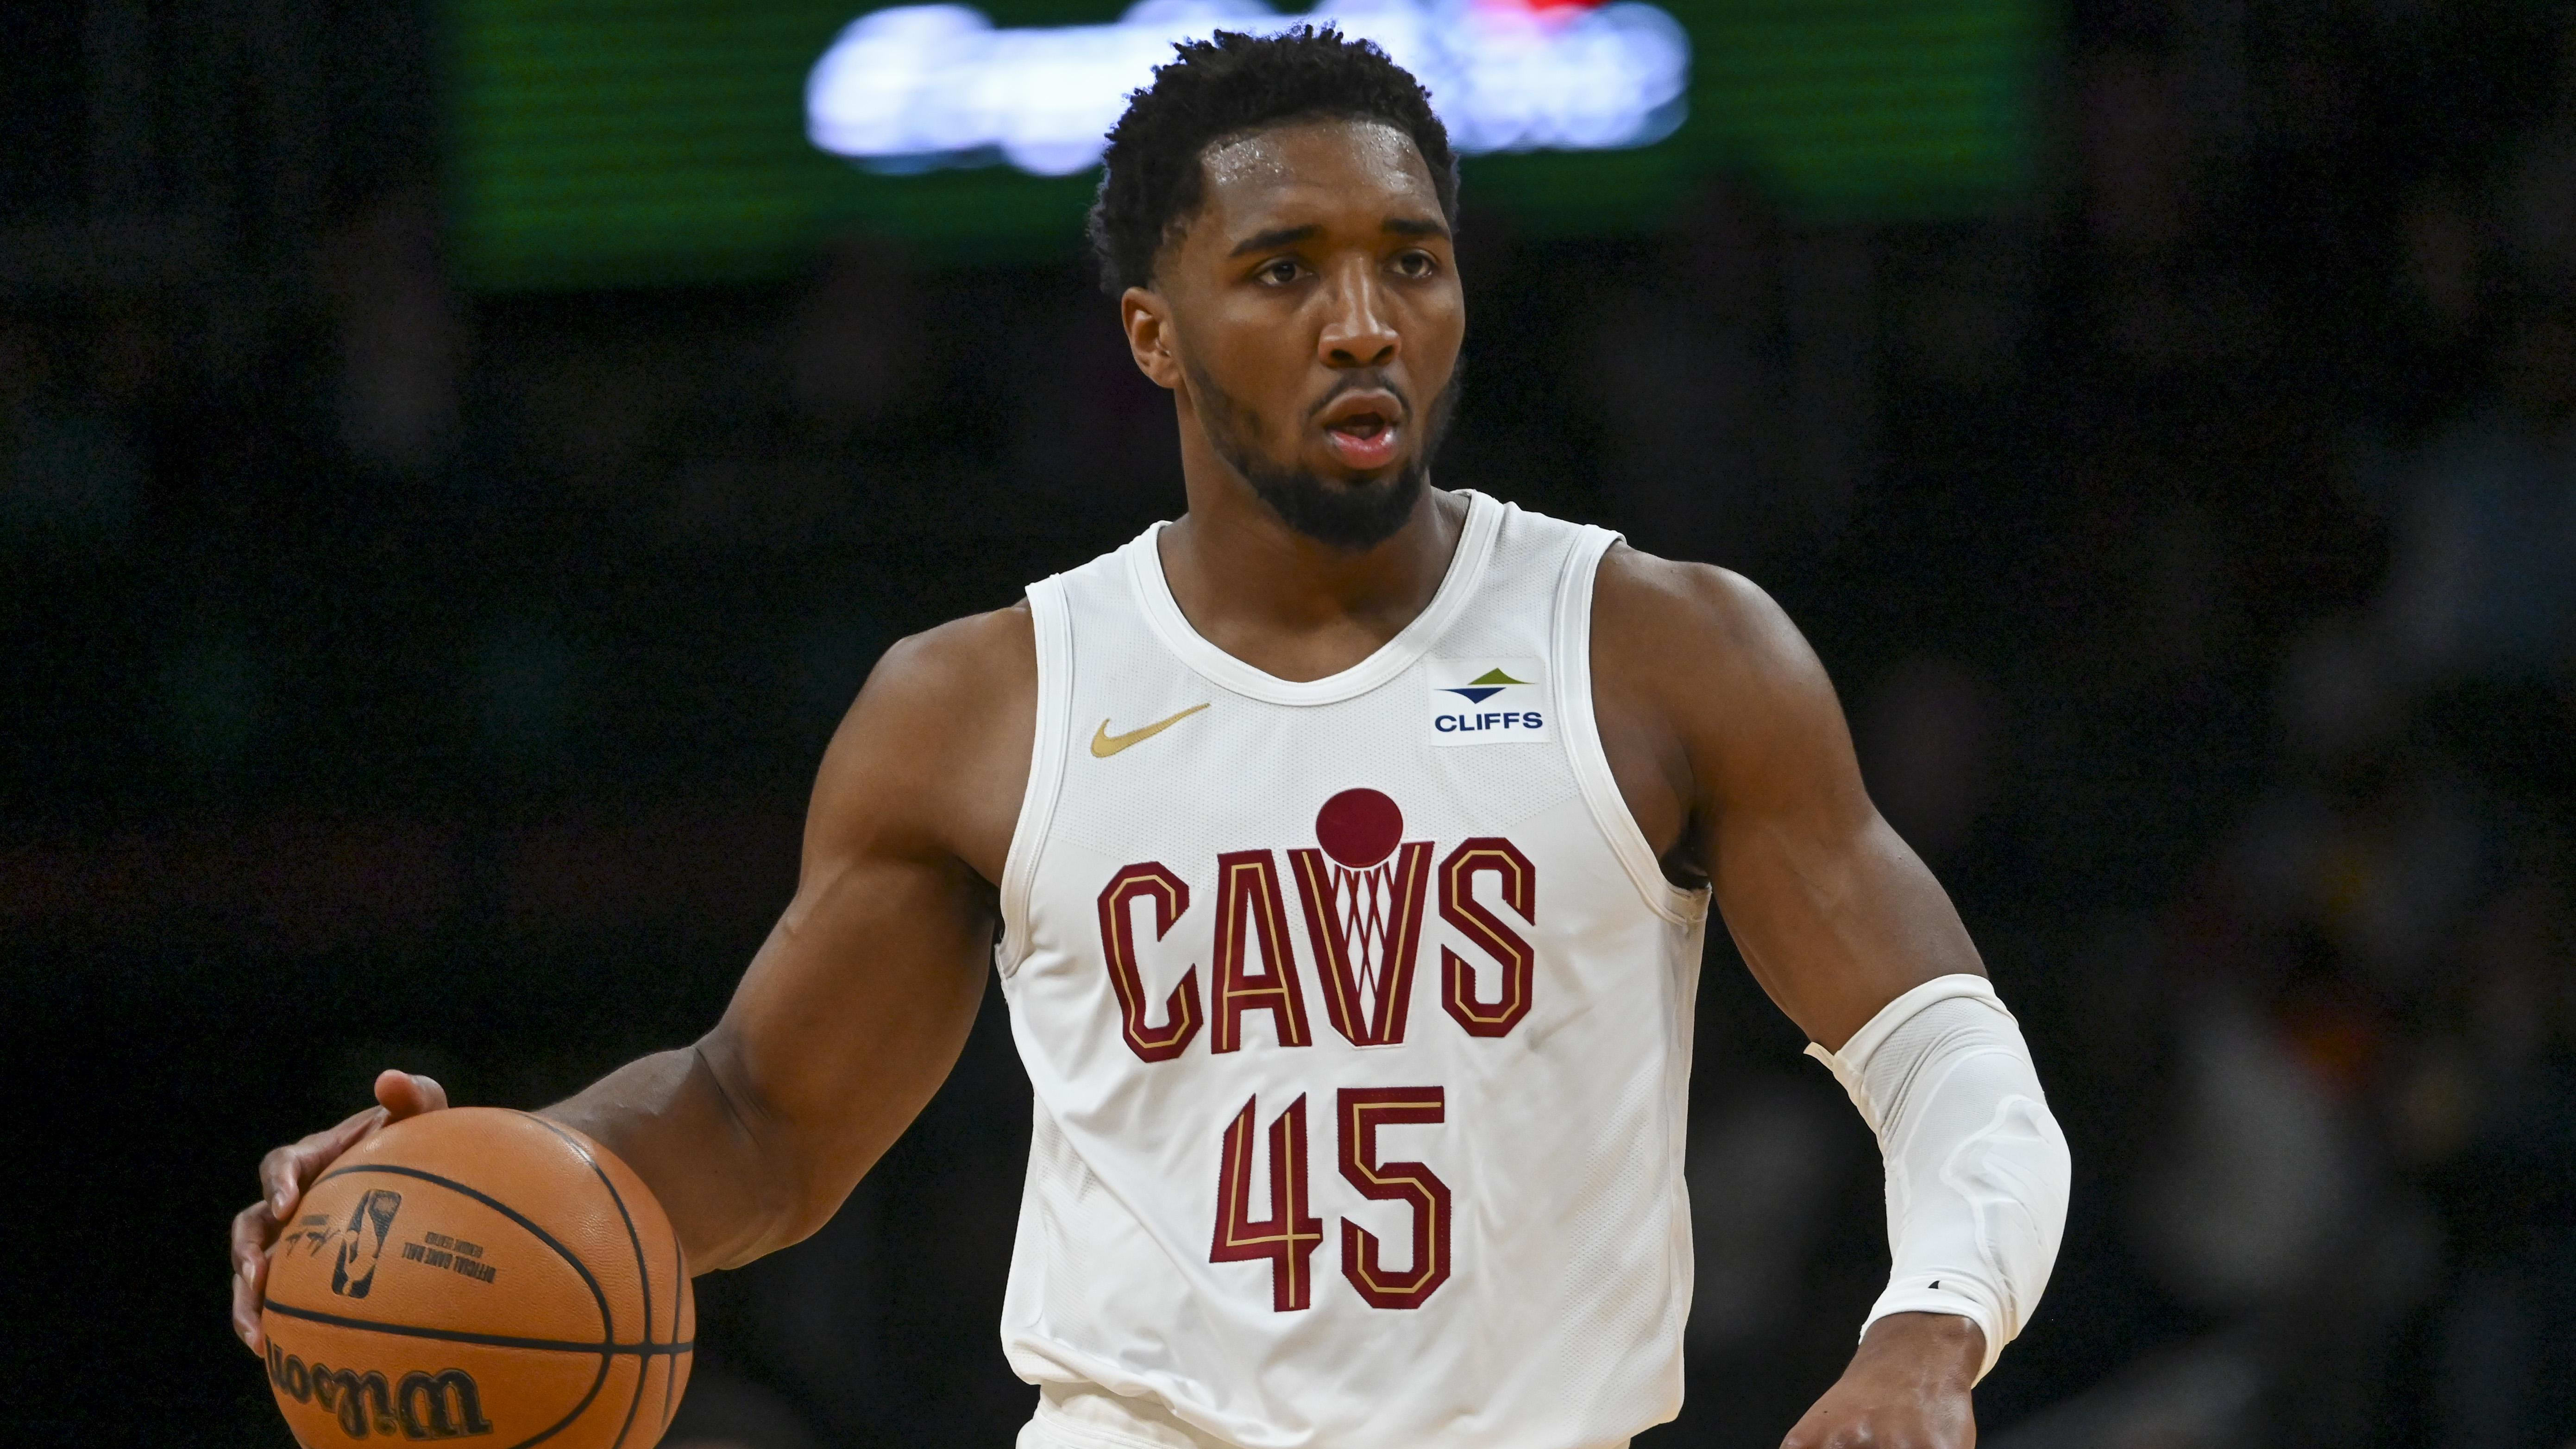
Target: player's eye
pixel 1416 264
pixel 1279 271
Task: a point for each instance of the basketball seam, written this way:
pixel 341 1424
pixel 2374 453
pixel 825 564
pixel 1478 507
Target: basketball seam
pixel 487 1340
pixel 671 1372
pixel 643 1273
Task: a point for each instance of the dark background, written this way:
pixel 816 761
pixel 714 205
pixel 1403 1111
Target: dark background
pixel 403 675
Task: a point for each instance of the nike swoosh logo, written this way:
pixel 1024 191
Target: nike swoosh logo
pixel 1104 744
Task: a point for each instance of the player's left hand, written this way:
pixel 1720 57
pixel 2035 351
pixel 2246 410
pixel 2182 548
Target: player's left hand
pixel 1907 1388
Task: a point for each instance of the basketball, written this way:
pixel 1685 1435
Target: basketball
pixel 479 1273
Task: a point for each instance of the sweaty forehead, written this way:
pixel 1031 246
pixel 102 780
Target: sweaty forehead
pixel 1254 181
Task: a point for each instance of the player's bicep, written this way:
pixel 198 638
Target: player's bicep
pixel 856 1007
pixel 1833 912
pixel 852 1013
pixel 1835 918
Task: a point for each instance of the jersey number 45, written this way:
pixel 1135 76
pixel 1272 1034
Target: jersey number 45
pixel 1289 1236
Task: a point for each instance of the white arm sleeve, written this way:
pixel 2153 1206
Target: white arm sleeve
pixel 1977 1171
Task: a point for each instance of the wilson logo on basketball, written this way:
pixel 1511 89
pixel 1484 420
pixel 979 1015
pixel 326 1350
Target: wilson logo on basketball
pixel 1362 890
pixel 441 1405
pixel 361 1244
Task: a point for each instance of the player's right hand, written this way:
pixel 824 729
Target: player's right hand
pixel 286 1171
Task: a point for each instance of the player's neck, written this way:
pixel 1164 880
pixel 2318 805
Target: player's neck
pixel 1291 606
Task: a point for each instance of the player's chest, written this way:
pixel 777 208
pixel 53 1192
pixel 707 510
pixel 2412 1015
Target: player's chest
pixel 1324 886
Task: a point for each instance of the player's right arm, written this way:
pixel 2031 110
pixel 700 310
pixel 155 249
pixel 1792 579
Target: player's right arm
pixel 852 1012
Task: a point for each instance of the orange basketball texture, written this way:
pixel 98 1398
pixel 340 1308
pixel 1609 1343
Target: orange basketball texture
pixel 479 1274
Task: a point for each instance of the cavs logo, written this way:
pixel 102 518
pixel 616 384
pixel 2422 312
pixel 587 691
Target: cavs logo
pixel 362 1242
pixel 1363 888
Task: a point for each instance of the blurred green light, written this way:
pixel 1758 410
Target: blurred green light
pixel 655 142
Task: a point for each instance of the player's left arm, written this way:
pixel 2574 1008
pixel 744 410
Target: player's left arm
pixel 1733 753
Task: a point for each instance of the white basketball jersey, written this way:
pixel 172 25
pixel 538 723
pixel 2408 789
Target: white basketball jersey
pixel 1358 1014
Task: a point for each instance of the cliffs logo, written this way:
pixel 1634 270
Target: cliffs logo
pixel 1488 702
pixel 362 1242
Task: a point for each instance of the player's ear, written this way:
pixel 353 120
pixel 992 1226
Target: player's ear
pixel 1147 320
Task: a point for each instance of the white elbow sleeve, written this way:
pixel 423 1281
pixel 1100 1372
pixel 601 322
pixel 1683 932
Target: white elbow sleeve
pixel 1977 1172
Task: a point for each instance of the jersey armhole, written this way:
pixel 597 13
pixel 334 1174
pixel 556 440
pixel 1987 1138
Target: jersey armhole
pixel 1052 624
pixel 1591 762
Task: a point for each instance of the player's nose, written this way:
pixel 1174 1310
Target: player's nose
pixel 1358 330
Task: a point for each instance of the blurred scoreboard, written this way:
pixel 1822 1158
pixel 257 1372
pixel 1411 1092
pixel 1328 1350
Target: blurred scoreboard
pixel 641 142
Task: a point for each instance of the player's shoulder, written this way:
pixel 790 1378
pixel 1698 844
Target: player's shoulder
pixel 948 698
pixel 932 757
pixel 966 659
pixel 1659 611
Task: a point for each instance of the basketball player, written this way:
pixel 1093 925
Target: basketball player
pixel 1344 848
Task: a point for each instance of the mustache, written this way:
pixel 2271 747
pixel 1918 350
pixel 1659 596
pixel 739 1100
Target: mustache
pixel 1367 379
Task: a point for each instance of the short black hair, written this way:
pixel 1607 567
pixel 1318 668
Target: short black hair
pixel 1222 87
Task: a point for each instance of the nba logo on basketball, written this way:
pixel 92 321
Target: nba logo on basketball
pixel 1487 702
pixel 362 1243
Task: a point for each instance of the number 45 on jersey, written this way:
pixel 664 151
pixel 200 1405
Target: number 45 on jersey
pixel 1290 1235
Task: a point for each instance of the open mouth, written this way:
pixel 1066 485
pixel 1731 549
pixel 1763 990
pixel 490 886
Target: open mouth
pixel 1363 430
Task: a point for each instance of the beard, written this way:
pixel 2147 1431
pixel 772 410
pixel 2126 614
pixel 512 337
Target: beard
pixel 1350 516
